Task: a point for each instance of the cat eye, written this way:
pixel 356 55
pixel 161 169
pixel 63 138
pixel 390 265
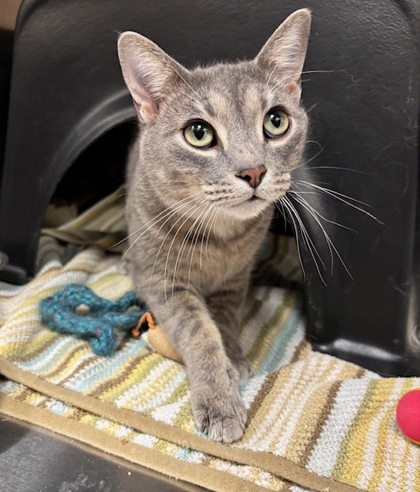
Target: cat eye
pixel 276 123
pixel 200 134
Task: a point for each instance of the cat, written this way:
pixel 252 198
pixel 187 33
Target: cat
pixel 215 150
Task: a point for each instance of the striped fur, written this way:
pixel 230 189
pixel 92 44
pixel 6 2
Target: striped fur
pixel 193 229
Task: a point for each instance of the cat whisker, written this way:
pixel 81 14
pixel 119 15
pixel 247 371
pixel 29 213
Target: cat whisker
pixel 269 79
pixel 311 159
pixel 280 82
pixel 168 212
pixel 194 244
pixel 195 238
pixel 204 224
pixel 169 186
pixel 315 142
pixel 282 210
pixel 305 73
pixel 218 211
pixel 328 240
pixel 306 237
pixel 311 108
pixel 304 229
pixel 211 223
pixel 187 95
pixel 181 251
pixel 192 210
pixel 191 207
pixel 300 199
pixel 206 234
pixel 336 168
pixel 153 170
pixel 186 83
pixel 342 198
pixel 144 176
pixel 304 192
pixel 213 227
pixel 168 216
pixel 322 71
pixel 183 245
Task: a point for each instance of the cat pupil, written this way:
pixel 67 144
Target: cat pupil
pixel 199 131
pixel 275 119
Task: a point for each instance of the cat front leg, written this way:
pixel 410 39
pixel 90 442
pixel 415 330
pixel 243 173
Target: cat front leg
pixel 226 309
pixel 217 406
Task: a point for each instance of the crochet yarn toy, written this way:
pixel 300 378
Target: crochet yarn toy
pixel 77 310
pixel 408 415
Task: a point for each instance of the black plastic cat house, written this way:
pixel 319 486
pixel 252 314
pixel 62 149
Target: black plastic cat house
pixel 360 85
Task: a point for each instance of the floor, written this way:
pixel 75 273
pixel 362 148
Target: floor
pixel 35 460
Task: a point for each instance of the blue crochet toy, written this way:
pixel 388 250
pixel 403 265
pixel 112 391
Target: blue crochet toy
pixel 61 313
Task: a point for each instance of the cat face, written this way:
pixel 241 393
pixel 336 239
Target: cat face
pixel 226 135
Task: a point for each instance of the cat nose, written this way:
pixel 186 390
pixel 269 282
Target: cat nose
pixel 253 175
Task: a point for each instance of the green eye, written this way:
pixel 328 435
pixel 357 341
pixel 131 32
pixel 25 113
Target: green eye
pixel 200 134
pixel 276 123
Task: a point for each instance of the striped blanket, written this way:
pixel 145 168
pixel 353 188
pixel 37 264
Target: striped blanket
pixel 315 422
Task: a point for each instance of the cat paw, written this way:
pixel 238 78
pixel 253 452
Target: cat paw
pixel 222 418
pixel 243 367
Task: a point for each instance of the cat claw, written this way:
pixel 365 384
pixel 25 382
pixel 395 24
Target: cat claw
pixel 226 430
pixel 223 420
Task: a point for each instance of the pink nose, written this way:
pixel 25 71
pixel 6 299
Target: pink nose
pixel 254 175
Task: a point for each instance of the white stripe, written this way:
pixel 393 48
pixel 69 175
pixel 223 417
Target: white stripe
pixel 373 434
pixel 264 427
pixel 347 403
pixel 145 440
pixel 252 389
pixel 394 450
pixel 70 368
pixel 413 474
pixel 46 357
pixel 136 393
pixel 292 413
pixel 168 413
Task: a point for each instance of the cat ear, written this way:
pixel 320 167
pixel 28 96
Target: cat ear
pixel 284 53
pixel 149 73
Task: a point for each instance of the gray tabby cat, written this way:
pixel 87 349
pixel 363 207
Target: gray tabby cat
pixel 214 153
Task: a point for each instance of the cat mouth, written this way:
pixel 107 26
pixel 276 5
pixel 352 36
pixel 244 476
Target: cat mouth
pixel 250 201
pixel 254 198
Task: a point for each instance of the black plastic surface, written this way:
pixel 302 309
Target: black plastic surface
pixel 361 88
pixel 6 49
pixel 35 460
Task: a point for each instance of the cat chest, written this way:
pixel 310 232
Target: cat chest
pixel 211 267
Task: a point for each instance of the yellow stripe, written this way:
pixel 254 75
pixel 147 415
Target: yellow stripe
pixel 351 462
pixel 157 387
pixel 139 371
pixel 25 351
